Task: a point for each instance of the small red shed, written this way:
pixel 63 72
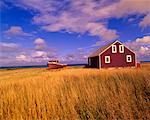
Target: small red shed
pixel 114 54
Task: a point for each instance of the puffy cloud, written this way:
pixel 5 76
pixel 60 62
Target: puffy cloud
pixel 7 60
pixel 22 57
pixel 94 29
pixel 16 31
pixel 144 50
pixel 101 30
pixel 34 56
pixel 8 47
pixel 80 16
pixel 40 44
pixel 69 16
pixel 39 54
pixel 141 46
pixel 36 5
pixel 145 39
pixel 128 7
pixel 146 21
pixel 39 41
pixel 85 16
pixel 13 54
pixel 79 56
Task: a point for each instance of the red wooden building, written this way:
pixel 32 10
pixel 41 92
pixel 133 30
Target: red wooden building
pixel 112 55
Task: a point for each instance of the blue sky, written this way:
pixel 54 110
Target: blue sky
pixel 35 31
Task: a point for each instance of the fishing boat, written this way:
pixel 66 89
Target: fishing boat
pixel 54 64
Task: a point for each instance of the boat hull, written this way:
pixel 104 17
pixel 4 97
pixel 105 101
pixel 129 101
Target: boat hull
pixel 55 66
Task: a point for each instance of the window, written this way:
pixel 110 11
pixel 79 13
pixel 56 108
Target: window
pixel 129 58
pixel 114 49
pixel 107 59
pixel 121 48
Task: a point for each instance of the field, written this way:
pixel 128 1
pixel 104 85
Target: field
pixel 75 93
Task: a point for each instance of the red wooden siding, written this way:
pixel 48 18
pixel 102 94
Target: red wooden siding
pixel 117 59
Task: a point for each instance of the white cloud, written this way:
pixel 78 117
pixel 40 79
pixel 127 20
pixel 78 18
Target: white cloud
pixel 78 56
pixel 101 30
pixel 22 58
pixel 13 54
pixel 144 50
pixel 141 46
pixel 42 52
pixel 75 17
pixel 8 47
pixel 79 25
pixel 7 60
pixel 40 44
pixel 36 5
pixel 80 16
pixel 128 7
pixel 85 16
pixel 146 21
pixel 80 11
pixel 145 39
pixel 16 31
pixel 39 41
pixel 39 54
pixel 34 57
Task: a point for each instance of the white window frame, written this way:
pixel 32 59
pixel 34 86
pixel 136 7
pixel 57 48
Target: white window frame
pixel 106 59
pixel 128 56
pixel 121 46
pixel 114 51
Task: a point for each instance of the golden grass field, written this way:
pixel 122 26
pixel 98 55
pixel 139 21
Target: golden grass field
pixel 75 93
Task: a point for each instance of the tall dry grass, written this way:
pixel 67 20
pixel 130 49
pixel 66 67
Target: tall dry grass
pixel 39 94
